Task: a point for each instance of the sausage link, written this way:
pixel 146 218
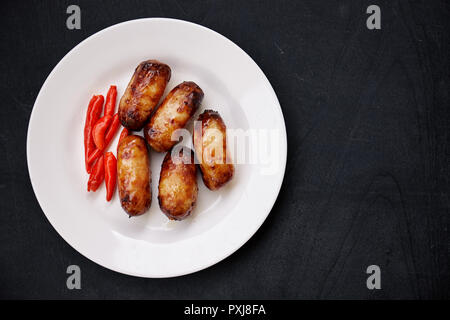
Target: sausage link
pixel 178 187
pixel 174 112
pixel 211 150
pixel 133 175
pixel 143 93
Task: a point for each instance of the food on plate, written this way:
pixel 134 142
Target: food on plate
pixel 133 173
pixel 173 113
pixel 211 150
pixel 178 188
pixel 112 130
pixel 109 135
pixel 110 174
pixel 97 175
pixel 143 93
pixel 178 184
pixel 99 131
pixel 110 104
pixel 93 113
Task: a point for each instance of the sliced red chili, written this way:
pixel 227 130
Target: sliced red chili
pixel 91 118
pixel 110 174
pixel 99 131
pixel 110 104
pixel 97 175
pixel 88 141
pixel 111 132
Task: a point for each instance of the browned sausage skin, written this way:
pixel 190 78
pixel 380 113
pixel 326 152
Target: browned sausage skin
pixel 174 112
pixel 143 93
pixel 133 175
pixel 178 189
pixel 211 150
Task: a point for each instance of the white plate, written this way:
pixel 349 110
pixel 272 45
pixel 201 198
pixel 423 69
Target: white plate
pixel 151 245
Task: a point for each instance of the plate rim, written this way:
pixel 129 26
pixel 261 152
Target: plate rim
pixel 283 150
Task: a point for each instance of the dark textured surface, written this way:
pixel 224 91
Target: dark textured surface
pixel 367 180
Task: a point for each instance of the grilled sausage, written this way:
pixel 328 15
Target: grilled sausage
pixel 178 185
pixel 211 150
pixel 143 93
pixel 173 113
pixel 133 172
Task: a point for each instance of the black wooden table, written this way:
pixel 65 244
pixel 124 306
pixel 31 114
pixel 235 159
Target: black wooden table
pixel 367 179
